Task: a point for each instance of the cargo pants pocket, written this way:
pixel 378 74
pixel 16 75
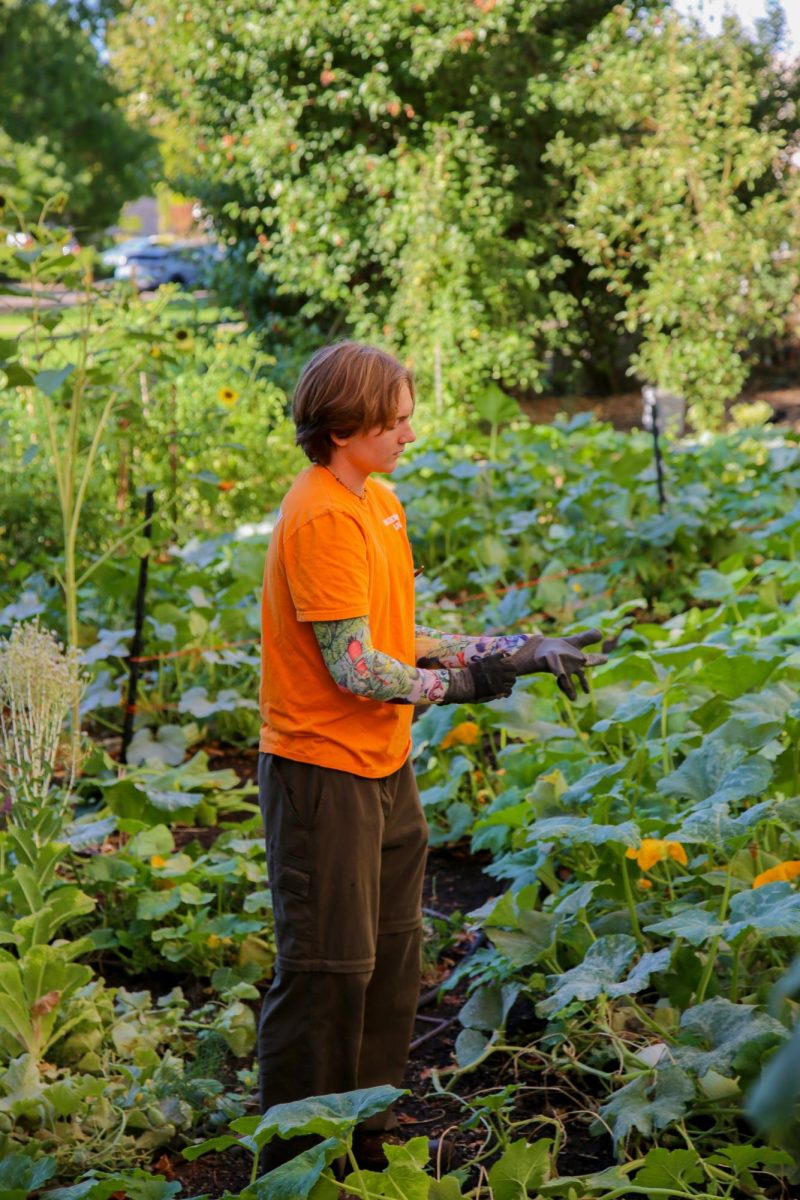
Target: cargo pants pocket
pixel 289 861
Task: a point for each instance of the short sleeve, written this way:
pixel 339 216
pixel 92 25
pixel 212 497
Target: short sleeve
pixel 327 568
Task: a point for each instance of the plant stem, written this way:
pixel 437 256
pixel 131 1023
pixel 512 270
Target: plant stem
pixel 629 899
pixel 712 954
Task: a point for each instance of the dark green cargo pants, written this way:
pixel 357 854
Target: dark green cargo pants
pixel 346 860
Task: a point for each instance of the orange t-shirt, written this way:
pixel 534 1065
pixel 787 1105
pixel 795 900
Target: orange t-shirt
pixel 332 556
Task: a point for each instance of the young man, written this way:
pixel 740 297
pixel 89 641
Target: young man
pixel 343 664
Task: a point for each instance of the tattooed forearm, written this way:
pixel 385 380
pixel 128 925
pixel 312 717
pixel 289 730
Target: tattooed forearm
pixel 358 667
pixel 434 649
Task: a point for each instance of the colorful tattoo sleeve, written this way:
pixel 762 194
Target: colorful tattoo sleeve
pixel 358 667
pixel 434 649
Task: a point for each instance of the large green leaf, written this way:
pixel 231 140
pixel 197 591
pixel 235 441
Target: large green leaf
pixel 134 1184
pixel 677 1169
pixel 494 405
pixel 488 1006
pixel 583 831
pixel 521 1170
pixel 157 840
pixel 773 1099
pixel 712 823
pixel 643 701
pixel 721 1033
pixel 649 1103
pixel 773 910
pixel 198 703
pixel 732 675
pixel 718 773
pixel 152 906
pixel 405 1175
pixel 335 1115
pixel 50 381
pixel 62 905
pixel 168 746
pixel 447 1188
pixel 470 1045
pixel 599 973
pixel 592 782
pixel 20 1175
pixel 694 925
pixel 296 1179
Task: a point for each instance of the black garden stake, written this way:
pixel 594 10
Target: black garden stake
pixel 136 641
pixel 662 413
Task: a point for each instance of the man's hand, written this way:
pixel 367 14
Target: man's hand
pixel 485 679
pixel 562 657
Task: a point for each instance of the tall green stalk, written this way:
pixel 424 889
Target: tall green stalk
pixel 714 949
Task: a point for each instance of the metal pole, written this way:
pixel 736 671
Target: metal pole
pixel 136 641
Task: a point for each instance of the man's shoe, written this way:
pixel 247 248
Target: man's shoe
pixel 440 1151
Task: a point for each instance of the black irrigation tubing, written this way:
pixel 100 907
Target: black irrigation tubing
pixel 430 995
pixel 439 1024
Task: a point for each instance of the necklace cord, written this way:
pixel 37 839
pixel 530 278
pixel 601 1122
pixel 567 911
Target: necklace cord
pixel 359 495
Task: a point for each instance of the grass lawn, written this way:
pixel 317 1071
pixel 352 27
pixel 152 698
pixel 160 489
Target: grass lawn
pixel 202 309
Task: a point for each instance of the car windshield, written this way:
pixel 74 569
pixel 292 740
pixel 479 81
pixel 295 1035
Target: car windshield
pixel 148 252
pixel 132 246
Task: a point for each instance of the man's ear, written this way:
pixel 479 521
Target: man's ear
pixel 338 440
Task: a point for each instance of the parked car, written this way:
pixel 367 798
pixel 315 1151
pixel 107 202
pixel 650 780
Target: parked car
pixel 116 255
pixel 189 264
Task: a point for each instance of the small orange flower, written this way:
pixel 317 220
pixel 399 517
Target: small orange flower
pixel 784 871
pixel 653 850
pixel 644 884
pixel 213 940
pixel 157 861
pixel 226 485
pixel 228 396
pixel 465 734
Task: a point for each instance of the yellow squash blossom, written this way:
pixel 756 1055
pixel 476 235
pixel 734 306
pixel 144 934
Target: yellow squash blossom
pixel 465 734
pixel 157 861
pixel 782 872
pixel 228 397
pixel 653 850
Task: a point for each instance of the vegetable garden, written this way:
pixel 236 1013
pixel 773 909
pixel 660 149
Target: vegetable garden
pixel 629 983
pixel 517 198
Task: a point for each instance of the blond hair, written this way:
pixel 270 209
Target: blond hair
pixel 345 388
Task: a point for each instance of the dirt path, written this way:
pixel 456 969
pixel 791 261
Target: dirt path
pixel 624 411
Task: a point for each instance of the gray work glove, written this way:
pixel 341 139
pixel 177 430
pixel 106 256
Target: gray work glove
pixel 562 657
pixel 486 679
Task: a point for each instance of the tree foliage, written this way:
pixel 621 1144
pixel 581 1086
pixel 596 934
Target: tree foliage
pixel 412 173
pixel 682 205
pixel 63 127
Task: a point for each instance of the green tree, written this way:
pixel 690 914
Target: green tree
pixel 384 163
pixel 684 204
pixel 412 172
pixel 63 126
